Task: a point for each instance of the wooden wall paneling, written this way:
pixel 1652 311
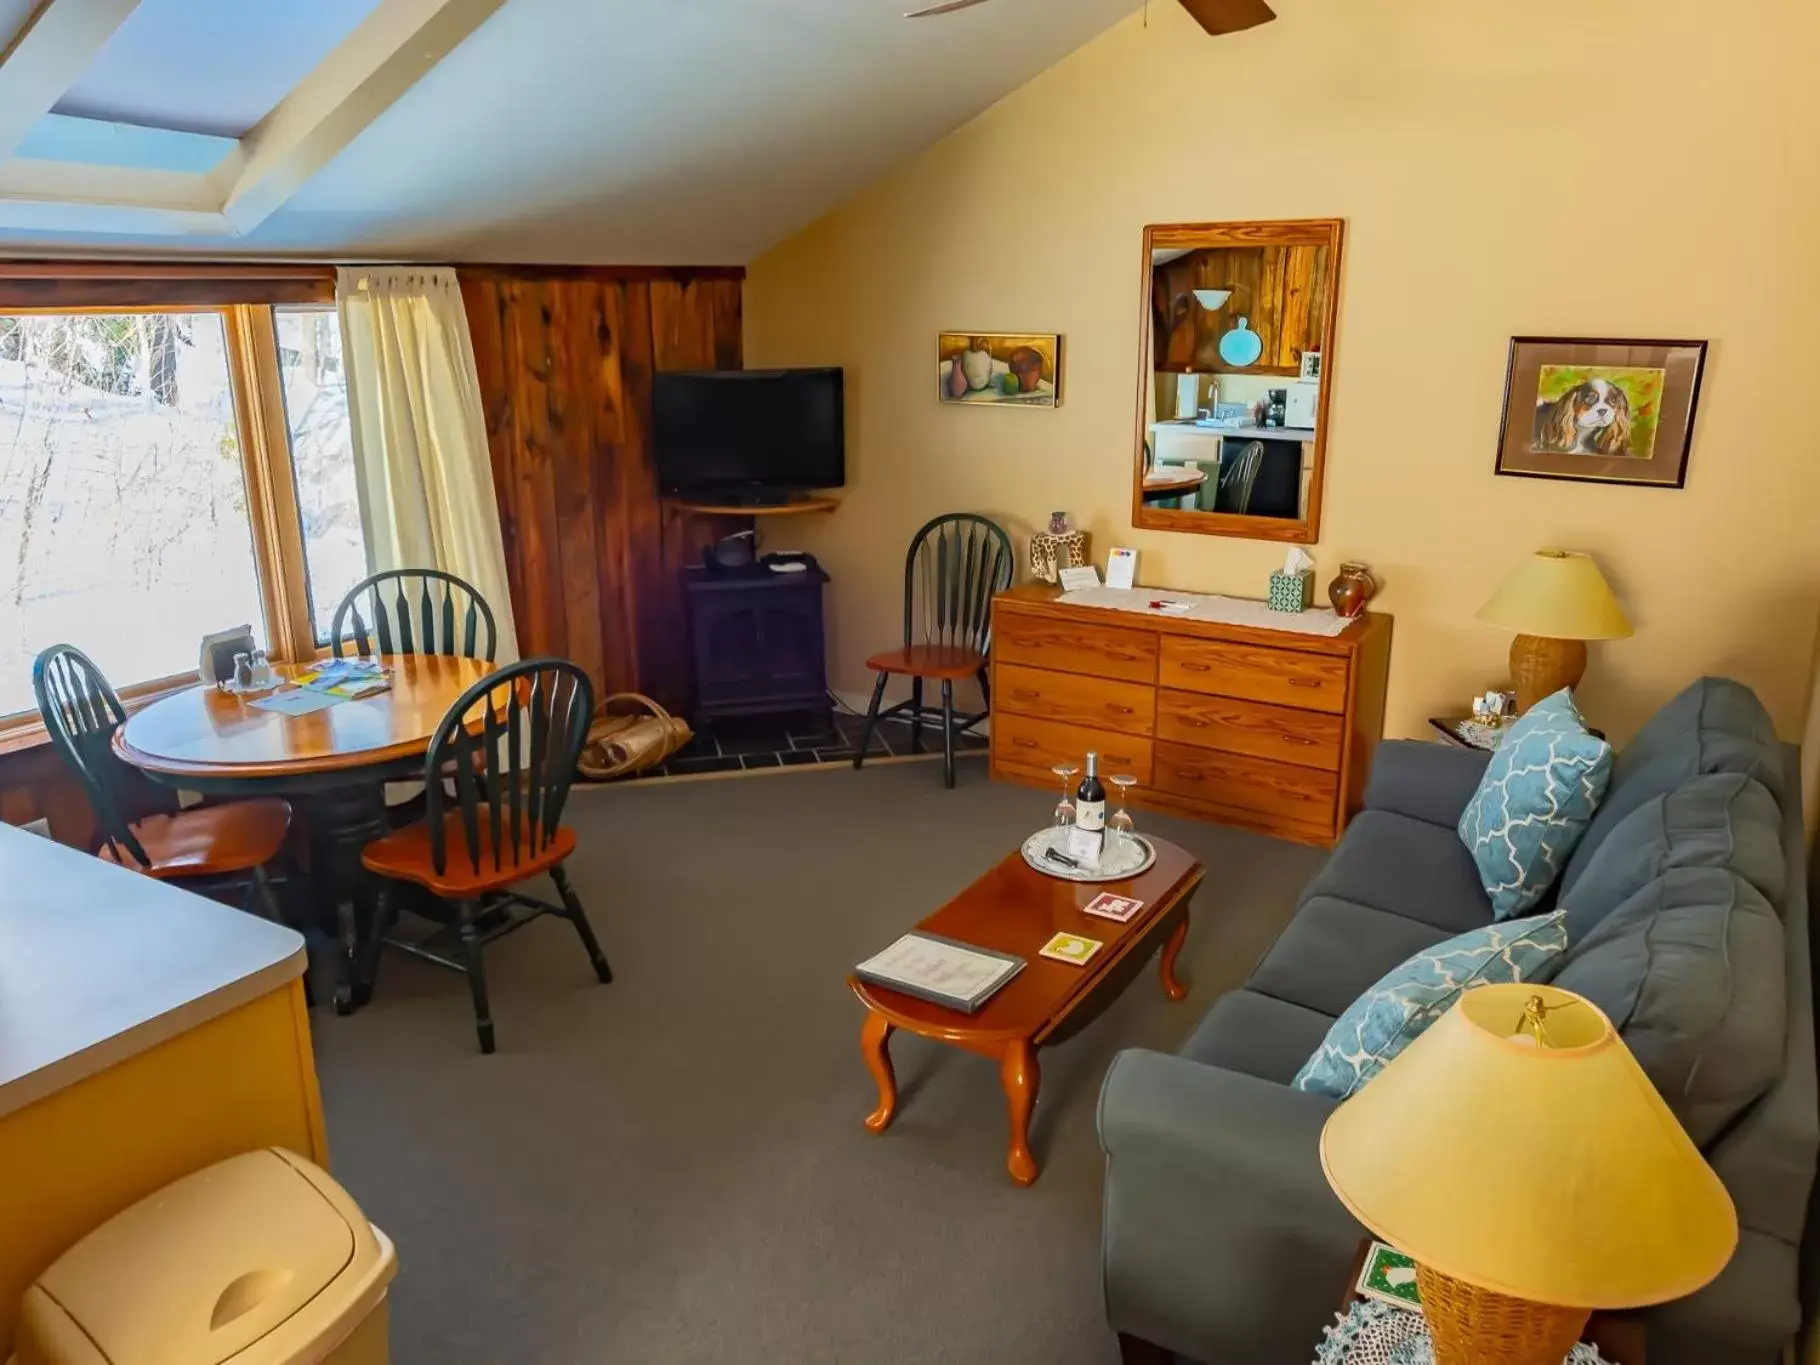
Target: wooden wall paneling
pixel 653 597
pixel 575 355
pixel 533 372
pixel 621 482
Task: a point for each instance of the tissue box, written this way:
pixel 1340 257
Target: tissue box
pixel 1292 591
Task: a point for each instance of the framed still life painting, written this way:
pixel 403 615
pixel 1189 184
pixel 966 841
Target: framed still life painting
pixel 1000 369
pixel 1601 411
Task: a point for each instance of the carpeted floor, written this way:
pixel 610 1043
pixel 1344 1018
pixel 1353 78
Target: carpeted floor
pixel 673 1169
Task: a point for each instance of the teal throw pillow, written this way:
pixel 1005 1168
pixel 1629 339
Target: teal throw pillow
pixel 1393 1013
pixel 1534 803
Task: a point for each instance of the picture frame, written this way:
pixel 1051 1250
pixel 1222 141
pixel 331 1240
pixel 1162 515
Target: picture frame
pixel 1600 410
pixel 999 369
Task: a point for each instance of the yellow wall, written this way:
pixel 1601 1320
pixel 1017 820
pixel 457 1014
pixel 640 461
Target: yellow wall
pixel 1567 167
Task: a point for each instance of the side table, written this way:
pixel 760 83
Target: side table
pixel 1619 1337
pixel 1453 730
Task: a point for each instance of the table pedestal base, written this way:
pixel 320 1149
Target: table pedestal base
pixel 342 822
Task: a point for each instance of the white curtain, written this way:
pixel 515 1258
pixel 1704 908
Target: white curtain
pixel 420 437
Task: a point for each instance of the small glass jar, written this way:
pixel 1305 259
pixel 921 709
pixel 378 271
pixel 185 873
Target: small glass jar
pixel 243 672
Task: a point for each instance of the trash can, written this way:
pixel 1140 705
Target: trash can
pixel 261 1259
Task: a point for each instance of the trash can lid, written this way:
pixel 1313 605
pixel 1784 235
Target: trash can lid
pixel 209 1266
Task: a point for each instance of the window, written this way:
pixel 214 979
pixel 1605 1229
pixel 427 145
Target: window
pixel 322 458
pixel 166 472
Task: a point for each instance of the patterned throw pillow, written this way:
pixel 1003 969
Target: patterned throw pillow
pixel 1536 799
pixel 1393 1013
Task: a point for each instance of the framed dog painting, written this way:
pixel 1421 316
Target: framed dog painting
pixel 1601 411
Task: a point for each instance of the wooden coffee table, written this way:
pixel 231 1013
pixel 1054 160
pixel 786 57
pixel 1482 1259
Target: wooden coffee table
pixel 1016 909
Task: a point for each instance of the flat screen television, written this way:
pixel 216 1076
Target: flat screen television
pixel 753 436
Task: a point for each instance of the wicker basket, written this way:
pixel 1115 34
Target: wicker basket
pixel 622 743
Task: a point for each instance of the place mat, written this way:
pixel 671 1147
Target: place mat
pixel 1376 1333
pixel 1212 607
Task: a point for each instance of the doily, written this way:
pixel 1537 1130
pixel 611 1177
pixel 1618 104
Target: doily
pixel 1375 1333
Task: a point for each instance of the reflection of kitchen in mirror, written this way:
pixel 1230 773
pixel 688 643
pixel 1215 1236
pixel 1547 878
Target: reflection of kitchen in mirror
pixel 1238 323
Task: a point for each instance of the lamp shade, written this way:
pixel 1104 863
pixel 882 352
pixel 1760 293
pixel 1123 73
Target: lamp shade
pixel 1560 594
pixel 1553 1173
pixel 1212 299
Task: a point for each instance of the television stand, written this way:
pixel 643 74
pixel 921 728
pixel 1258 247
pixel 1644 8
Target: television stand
pixel 771 509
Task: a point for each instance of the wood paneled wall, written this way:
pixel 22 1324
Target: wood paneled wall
pixel 566 358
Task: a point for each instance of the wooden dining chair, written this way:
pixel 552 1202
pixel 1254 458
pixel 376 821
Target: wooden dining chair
pixel 955 565
pixel 415 611
pixel 217 848
pixel 508 749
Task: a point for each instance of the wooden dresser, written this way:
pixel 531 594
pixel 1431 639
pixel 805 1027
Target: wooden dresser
pixel 1268 729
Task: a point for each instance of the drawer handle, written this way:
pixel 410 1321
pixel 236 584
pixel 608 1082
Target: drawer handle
pixel 1024 743
pixel 1189 774
pixel 1197 668
pixel 1197 724
pixel 1118 710
pixel 1026 693
pixel 1299 739
pixel 1305 682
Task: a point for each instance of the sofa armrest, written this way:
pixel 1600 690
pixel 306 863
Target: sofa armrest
pixel 1221 1238
pixel 1431 782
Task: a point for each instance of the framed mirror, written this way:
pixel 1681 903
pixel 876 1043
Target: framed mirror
pixel 1235 365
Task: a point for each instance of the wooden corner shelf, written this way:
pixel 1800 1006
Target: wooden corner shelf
pixel 727 509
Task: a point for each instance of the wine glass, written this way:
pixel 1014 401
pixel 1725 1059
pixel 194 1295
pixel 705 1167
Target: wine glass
pixel 1121 818
pixel 1064 809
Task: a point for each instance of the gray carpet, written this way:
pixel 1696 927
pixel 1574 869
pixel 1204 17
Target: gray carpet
pixel 672 1168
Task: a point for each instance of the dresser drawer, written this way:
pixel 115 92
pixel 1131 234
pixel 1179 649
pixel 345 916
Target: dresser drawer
pixel 1074 647
pixel 1308 739
pixel 1024 742
pixel 1074 699
pixel 1315 682
pixel 1242 783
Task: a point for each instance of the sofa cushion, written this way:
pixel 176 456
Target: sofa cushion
pixel 1714 726
pixel 1376 857
pixel 1538 795
pixel 1691 972
pixel 1395 1011
pixel 1333 949
pixel 1262 1037
pixel 1724 820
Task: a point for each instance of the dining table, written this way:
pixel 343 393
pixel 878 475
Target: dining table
pixel 332 764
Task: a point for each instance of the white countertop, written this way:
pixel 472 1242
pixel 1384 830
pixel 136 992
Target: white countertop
pixel 1239 433
pixel 98 964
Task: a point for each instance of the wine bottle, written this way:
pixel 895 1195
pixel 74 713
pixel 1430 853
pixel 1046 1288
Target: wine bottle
pixel 1090 798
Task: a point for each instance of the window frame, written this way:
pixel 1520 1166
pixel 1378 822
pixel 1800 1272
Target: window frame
pixel 245 298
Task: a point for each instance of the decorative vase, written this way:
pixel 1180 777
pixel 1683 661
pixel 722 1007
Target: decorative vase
pixel 957 379
pixel 1351 589
pixel 977 366
pixel 1058 523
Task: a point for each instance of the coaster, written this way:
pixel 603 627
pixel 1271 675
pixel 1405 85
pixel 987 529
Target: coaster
pixel 1389 1275
pixel 1108 906
pixel 1072 949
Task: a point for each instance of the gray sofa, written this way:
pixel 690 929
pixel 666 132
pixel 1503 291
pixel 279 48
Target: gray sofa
pixel 1688 917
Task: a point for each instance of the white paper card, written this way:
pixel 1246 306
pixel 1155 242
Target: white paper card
pixel 1080 576
pixel 1085 845
pixel 1121 568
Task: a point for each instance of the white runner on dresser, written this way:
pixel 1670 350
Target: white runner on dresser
pixel 1198 606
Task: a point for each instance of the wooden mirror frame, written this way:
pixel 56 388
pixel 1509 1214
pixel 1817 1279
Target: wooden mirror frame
pixel 1328 232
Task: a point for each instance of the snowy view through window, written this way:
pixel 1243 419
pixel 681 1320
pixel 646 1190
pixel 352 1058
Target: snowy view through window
pixel 124 527
pixel 322 452
pixel 123 517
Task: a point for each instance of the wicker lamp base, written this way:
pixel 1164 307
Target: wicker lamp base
pixel 1473 1326
pixel 1540 666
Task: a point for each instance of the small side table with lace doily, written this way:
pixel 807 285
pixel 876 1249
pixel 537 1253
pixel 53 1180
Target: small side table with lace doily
pixel 1369 1331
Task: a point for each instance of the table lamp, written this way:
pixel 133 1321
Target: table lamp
pixel 1555 600
pixel 1517 1152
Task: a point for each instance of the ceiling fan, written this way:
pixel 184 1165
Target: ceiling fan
pixel 1216 16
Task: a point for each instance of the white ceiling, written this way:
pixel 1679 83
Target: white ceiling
pixel 644 131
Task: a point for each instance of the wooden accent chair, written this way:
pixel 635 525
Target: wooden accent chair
pixel 414 611
pixel 216 848
pixel 955 565
pixel 508 748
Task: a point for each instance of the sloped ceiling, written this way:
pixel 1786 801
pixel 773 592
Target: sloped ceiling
pixel 630 131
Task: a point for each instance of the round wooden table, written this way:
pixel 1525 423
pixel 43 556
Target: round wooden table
pixel 334 763
pixel 1172 484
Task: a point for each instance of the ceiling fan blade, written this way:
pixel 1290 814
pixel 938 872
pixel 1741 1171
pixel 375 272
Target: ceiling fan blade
pixel 1229 16
pixel 948 8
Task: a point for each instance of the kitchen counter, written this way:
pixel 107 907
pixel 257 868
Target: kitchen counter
pixel 1303 434
pixel 98 964
pixel 145 1032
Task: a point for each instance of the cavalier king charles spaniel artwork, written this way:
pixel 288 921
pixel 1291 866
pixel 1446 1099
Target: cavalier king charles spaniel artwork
pixel 1592 418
